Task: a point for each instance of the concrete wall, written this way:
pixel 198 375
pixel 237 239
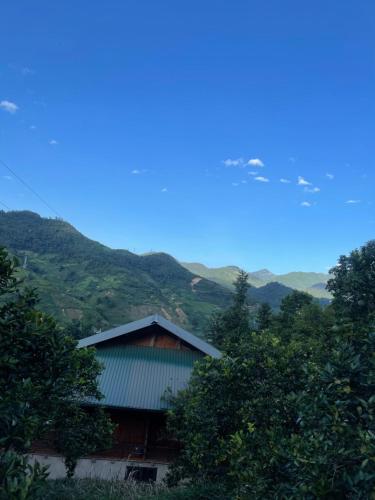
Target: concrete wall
pixel 97 468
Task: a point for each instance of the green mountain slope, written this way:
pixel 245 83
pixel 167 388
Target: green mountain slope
pixel 78 278
pixel 313 283
pixel 223 275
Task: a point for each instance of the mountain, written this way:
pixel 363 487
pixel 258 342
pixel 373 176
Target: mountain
pixel 81 279
pixel 78 278
pixel 263 275
pixel 313 283
pixel 223 275
pixel 272 293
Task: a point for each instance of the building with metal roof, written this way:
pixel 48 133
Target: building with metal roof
pixel 144 363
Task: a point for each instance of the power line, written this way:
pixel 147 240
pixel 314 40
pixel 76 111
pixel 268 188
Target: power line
pixel 30 188
pixel 6 206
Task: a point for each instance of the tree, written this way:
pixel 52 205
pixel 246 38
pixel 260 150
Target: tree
pixel 80 432
pixel 227 328
pixel 353 287
pixel 264 317
pixel 42 373
pixel 236 415
pixel 332 454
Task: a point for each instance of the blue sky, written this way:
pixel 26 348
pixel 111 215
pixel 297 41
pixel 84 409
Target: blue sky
pixel 137 120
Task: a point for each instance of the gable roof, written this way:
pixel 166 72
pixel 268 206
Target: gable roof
pixel 154 319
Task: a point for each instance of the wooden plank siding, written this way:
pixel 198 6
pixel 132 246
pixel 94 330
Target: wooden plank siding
pixel 140 436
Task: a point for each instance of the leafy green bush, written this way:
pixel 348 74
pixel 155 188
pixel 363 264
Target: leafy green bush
pixel 289 410
pixel 20 480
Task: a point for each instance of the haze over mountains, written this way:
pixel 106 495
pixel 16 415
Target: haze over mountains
pixel 81 279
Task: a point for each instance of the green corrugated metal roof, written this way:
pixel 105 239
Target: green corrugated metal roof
pixel 138 376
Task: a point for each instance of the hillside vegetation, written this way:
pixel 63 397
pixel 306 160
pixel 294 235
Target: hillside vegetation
pixel 81 280
pixel 78 278
pixel 313 283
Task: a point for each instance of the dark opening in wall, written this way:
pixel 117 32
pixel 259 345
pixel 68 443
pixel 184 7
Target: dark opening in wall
pixel 144 474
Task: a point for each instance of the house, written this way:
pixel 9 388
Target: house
pixel 144 361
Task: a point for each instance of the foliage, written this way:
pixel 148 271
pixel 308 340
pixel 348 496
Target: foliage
pixel 353 286
pixel 333 454
pixel 42 373
pixel 80 432
pixel 20 480
pixel 289 410
pixel 264 317
pixel 228 326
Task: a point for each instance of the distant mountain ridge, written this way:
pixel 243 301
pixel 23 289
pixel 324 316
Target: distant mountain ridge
pixel 313 283
pixel 81 279
pixel 78 278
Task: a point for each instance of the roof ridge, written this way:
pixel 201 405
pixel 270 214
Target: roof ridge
pixel 128 328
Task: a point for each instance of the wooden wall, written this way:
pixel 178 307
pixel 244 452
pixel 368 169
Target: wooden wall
pixel 139 436
pixel 153 336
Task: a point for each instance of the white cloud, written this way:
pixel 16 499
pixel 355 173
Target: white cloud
pixel 9 106
pixel 253 173
pixel 135 171
pixel 52 142
pixel 255 162
pixel 261 179
pixel 312 190
pixel 7 177
pixel 285 181
pixel 305 204
pixel 352 202
pixel 330 176
pixel 302 181
pixel 27 71
pixel 229 162
pixel 164 190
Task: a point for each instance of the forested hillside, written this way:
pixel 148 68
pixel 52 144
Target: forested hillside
pixel 81 279
pixel 78 278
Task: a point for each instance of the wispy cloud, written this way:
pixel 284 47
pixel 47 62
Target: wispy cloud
pixel 243 182
pixel 261 179
pixel 306 204
pixel 252 173
pixel 255 162
pixel 53 142
pixel 230 162
pixel 27 71
pixel 302 181
pixel 352 202
pixel 330 176
pixel 312 190
pixel 32 127
pixel 164 190
pixel 7 177
pixel 137 171
pixel 235 184
pixel 285 181
pixel 24 70
pixel 9 106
